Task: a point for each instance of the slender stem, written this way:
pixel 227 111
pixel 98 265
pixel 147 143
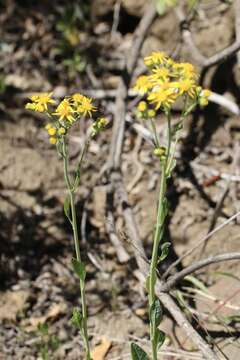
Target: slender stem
pixel 169 135
pixel 71 190
pixel 65 166
pixel 158 234
pixel 156 241
pixel 155 135
pixel 74 225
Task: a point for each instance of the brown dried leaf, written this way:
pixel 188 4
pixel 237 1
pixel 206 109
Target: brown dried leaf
pixel 101 350
pixel 11 303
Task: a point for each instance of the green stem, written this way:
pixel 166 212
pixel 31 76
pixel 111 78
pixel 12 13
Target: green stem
pixel 156 242
pixel 155 135
pixel 71 190
pixel 158 236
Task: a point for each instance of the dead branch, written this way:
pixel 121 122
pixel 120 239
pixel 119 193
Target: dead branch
pixel 202 241
pixel 198 57
pixel 173 280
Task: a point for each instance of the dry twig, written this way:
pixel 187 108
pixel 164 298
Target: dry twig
pixel 173 280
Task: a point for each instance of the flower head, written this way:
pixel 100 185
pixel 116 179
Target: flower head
pixel 186 70
pixel 142 106
pixel 143 84
pixel 156 58
pixel 40 102
pixel 162 98
pixel 85 106
pixel 65 111
pixel 168 81
pixel 203 97
pixel 185 86
pixel 161 74
pixel 77 98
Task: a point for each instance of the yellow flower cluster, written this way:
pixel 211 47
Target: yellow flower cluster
pixel 67 112
pixel 167 82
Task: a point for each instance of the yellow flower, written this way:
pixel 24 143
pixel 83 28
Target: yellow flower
pixel 161 73
pixel 52 131
pixel 85 106
pixel 143 84
pixel 203 97
pixel 142 106
pixel 52 140
pixel 187 70
pixel 77 98
pixel 48 126
pixel 65 111
pixel 185 86
pixel 156 58
pixel 206 93
pixel 40 102
pixel 163 98
pixel 170 63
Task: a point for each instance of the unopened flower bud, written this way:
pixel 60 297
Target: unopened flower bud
pixel 61 131
pixel 159 152
pixel 52 140
pixel 151 113
pixel 142 106
pixel 52 131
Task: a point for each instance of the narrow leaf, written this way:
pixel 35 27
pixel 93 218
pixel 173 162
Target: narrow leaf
pixel 66 208
pixel 196 282
pixel 79 269
pixel 77 318
pixel 156 313
pixel 164 210
pixel 138 353
pixel 159 338
pixel 164 251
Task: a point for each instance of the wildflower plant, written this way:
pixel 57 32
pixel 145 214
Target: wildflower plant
pixel 166 83
pixel 62 117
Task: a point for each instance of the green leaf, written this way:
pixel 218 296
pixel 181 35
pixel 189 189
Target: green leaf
pixel 79 269
pixel 138 353
pixel 164 251
pixel 77 318
pixel 159 338
pixel 170 170
pixel 156 313
pixel 196 282
pixel 66 208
